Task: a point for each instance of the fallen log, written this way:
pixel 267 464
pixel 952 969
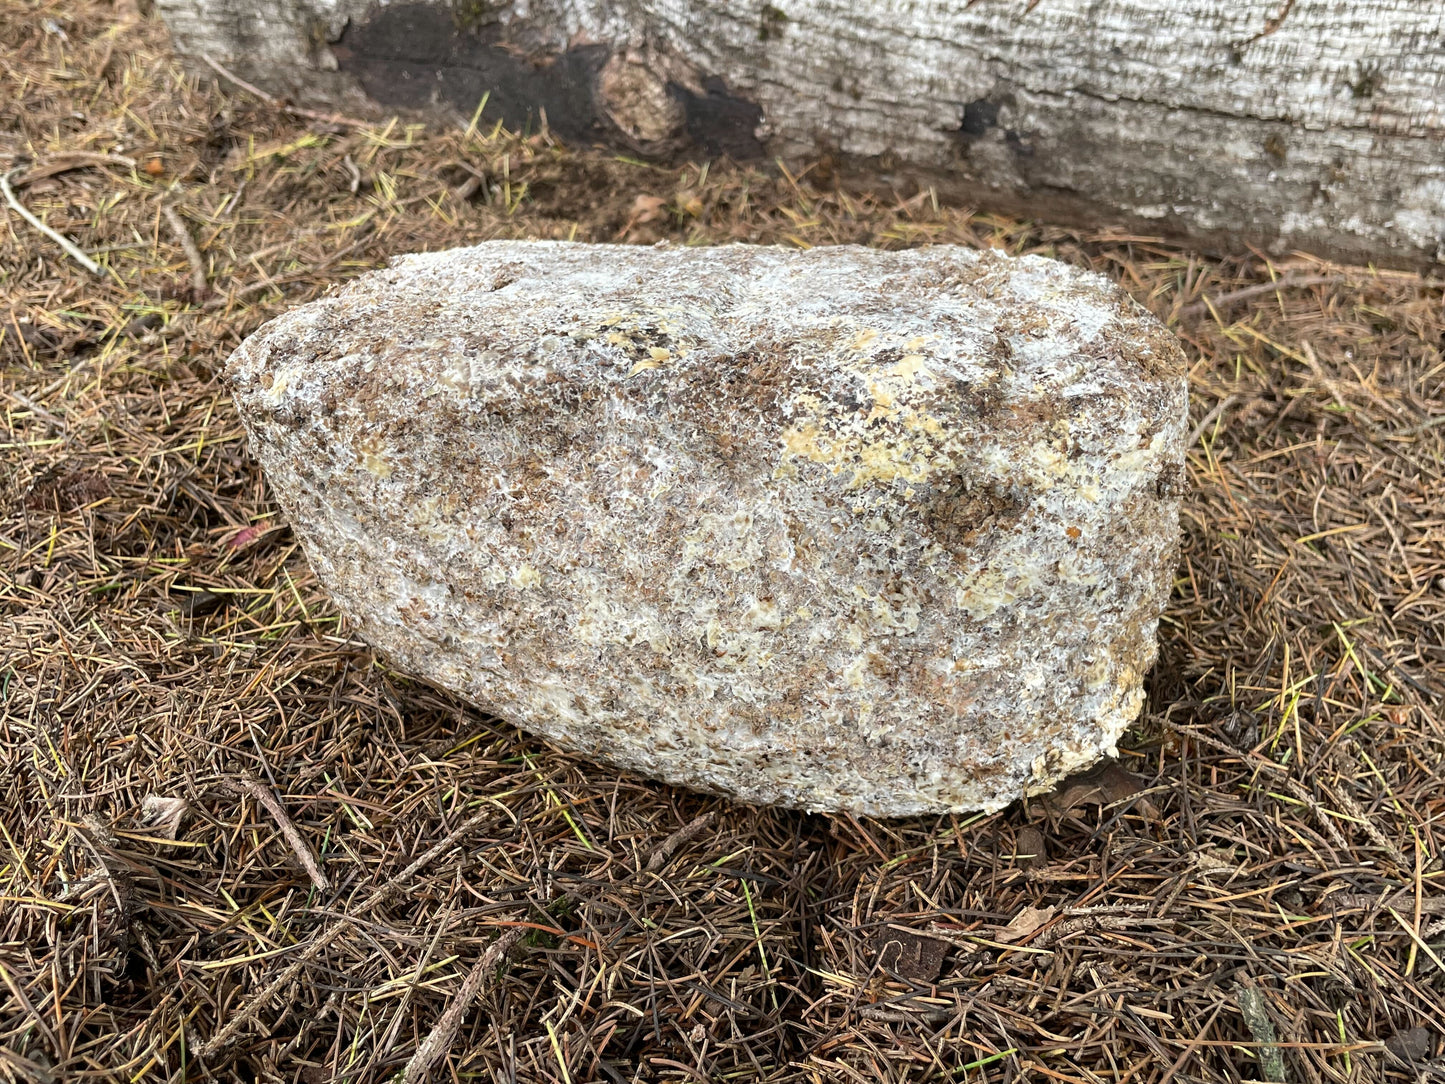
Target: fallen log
pixel 1311 124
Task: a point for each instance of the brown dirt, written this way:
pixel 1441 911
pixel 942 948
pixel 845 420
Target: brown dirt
pixel 1256 891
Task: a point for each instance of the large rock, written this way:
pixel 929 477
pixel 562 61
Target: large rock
pixel 842 529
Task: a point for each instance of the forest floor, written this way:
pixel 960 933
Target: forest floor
pixel 237 846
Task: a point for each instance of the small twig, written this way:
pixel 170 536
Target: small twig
pixel 1089 923
pixel 1433 423
pixel 71 249
pixel 36 409
pixel 1219 408
pixel 436 1044
pixel 468 188
pixel 56 384
pixel 249 88
pixel 262 794
pixel 1375 903
pixel 1256 1018
pixel 687 832
pixel 66 162
pixel 475 179
pixel 1353 810
pixel 199 288
pixel 1288 282
pixel 1326 822
pixel 272 100
pixel 232 202
pixel 249 1011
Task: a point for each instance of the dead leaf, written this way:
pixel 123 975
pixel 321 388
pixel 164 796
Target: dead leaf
pixel 644 209
pixel 246 535
pixel 647 209
pixel 1028 921
pixel 162 816
pixel 909 953
pixel 1102 785
pixel 1410 1046
pixel 1030 850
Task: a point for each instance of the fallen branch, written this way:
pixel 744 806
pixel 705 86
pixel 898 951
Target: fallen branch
pixel 436 1044
pixel 272 100
pixel 66 162
pixel 36 409
pixel 1288 282
pixel 71 248
pixel 248 1012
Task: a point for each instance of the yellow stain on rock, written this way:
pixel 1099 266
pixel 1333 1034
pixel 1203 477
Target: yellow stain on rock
pixel 907 449
pixel 908 367
pixel 525 576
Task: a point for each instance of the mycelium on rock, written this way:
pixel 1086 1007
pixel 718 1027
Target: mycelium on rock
pixel 841 529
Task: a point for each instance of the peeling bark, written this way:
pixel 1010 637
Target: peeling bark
pixel 1316 124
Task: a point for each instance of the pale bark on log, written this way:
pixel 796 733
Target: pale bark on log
pixel 1314 124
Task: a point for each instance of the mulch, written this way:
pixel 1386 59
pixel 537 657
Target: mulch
pixel 238 846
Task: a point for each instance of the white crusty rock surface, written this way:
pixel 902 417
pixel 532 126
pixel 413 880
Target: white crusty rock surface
pixel 841 529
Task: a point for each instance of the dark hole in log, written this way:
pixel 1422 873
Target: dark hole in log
pixel 415 56
pixel 978 117
pixel 419 55
pixel 719 122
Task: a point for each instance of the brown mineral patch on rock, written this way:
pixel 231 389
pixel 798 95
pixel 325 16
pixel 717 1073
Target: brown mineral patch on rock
pixel 957 515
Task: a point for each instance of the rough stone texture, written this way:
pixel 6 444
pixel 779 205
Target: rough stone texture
pixel 887 532
pixel 1314 124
